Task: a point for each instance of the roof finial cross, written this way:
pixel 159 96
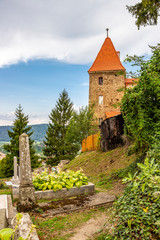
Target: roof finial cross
pixel 107 29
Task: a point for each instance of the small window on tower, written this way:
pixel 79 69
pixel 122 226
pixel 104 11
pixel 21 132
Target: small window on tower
pixel 100 99
pixel 100 80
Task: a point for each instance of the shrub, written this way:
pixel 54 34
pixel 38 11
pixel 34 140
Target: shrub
pixel 56 182
pixel 137 212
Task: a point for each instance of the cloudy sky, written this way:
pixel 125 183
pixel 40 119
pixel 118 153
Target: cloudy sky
pixel 48 45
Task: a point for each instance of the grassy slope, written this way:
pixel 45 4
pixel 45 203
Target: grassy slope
pixel 101 166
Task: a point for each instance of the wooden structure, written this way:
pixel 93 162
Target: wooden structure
pixel 91 143
pixel 112 130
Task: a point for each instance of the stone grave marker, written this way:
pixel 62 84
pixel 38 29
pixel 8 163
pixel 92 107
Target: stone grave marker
pixel 26 190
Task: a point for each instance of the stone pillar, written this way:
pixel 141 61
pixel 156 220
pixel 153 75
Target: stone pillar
pixel 26 191
pixel 15 179
pixel 15 168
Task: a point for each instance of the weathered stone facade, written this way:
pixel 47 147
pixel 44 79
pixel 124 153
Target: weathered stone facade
pixel 112 81
pixel 106 77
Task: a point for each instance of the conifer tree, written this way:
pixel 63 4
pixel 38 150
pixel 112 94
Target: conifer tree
pixel 55 143
pixel 19 127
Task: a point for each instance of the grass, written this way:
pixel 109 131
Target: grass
pixel 63 227
pixel 4 189
pixel 104 168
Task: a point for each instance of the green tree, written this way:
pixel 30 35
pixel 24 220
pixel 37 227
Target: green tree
pixel 80 127
pixel 141 105
pixel 55 142
pixel 146 12
pixel 19 127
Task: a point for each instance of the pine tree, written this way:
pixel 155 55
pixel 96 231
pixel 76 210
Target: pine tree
pixel 55 143
pixel 19 127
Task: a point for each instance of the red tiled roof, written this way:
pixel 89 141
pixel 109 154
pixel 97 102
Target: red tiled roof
pixel 107 58
pixel 130 80
pixel 112 114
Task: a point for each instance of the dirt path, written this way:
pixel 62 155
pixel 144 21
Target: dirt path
pixel 91 227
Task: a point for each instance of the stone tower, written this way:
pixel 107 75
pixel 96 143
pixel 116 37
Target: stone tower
pixel 106 76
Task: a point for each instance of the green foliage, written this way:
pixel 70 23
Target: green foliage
pixel 146 12
pixel 137 212
pixel 154 152
pixel 3 185
pixel 141 105
pixel 19 127
pixel 9 233
pixel 56 182
pixel 55 143
pixel 80 127
pixel 6 233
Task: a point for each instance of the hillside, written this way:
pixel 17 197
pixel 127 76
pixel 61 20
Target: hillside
pixel 39 131
pixel 103 168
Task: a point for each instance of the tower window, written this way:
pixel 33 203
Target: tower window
pixel 100 80
pixel 100 99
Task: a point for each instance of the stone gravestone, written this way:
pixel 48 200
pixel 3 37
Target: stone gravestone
pixel 15 179
pixel 26 190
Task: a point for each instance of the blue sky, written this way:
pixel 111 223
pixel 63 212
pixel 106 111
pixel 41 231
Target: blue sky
pixel 36 85
pixel 46 46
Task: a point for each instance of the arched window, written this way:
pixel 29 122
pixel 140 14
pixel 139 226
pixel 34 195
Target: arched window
pixel 100 80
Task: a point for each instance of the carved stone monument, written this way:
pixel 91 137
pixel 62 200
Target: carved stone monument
pixel 26 190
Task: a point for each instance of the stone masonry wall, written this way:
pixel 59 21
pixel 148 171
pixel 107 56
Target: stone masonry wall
pixel 111 83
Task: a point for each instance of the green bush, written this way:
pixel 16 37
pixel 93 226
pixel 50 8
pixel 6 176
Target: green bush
pixel 137 212
pixel 56 182
pixel 3 186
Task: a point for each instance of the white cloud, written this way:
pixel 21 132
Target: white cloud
pixel 77 108
pixel 6 118
pixel 68 30
pixel 85 84
pixel 36 118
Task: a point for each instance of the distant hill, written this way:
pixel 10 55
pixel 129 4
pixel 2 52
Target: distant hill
pixel 39 132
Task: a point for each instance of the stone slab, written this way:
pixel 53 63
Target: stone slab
pixel 10 212
pixel 3 211
pixel 96 200
pixel 15 191
pixel 64 193
pixel 24 229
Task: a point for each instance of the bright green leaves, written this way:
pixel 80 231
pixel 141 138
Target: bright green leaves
pixel 137 212
pixel 56 182
pixel 6 233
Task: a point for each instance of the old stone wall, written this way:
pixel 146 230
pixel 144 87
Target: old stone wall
pixel 111 83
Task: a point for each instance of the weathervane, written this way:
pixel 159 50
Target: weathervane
pixel 107 29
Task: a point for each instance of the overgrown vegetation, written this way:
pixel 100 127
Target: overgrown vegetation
pixel 141 104
pixel 137 212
